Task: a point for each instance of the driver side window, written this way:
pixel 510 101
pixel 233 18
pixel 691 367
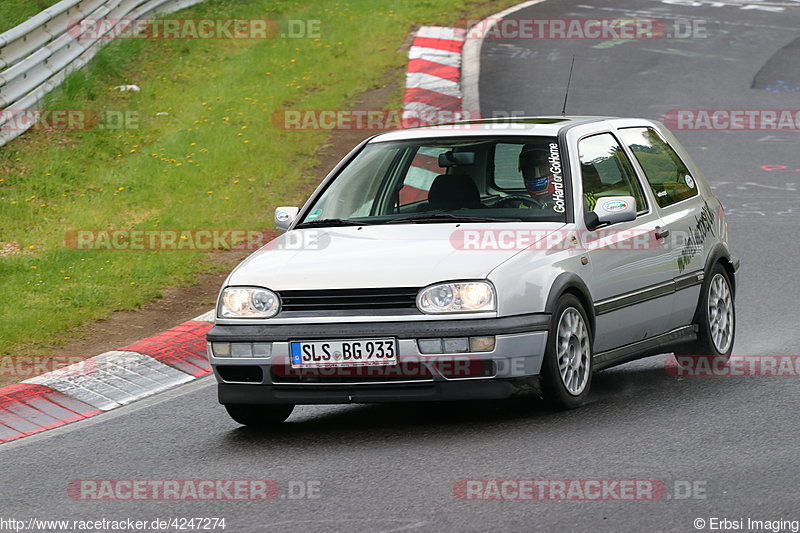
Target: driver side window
pixel 606 171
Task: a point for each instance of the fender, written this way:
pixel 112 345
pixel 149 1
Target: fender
pixel 720 251
pixel 570 281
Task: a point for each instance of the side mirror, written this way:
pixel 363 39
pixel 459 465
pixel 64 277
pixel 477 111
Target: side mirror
pixel 610 210
pixel 284 216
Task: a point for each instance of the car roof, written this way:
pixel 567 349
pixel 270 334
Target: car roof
pixel 508 126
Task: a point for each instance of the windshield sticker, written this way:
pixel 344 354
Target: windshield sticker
pixel 689 181
pixel 558 180
pixel 313 215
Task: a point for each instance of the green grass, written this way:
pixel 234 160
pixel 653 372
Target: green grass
pixel 15 12
pixel 215 161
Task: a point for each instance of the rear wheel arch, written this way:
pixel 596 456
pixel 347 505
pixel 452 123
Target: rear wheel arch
pixel 726 263
pixel 720 254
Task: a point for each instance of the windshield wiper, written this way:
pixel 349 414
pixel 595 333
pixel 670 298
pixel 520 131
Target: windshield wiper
pixel 332 222
pixel 447 217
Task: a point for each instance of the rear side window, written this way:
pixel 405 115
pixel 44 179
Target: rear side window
pixel 668 176
pixel 606 171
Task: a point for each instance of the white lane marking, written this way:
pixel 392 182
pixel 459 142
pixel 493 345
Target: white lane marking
pixel 687 53
pixel 655 13
pixel 471 55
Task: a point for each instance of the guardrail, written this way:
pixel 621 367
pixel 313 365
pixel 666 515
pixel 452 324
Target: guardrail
pixel 37 55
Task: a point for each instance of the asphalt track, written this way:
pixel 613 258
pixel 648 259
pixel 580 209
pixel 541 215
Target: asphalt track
pixel 393 468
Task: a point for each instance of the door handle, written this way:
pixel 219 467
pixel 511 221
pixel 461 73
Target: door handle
pixel 661 233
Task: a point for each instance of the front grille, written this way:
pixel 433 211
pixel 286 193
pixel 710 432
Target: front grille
pixel 349 299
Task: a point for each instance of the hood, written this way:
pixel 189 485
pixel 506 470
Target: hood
pixel 401 255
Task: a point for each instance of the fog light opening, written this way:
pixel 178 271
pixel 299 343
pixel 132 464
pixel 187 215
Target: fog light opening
pixel 220 349
pixel 429 345
pixel 452 345
pixel 482 344
pixel 456 345
pixel 241 349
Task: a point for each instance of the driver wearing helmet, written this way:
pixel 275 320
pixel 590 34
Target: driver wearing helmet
pixel 534 165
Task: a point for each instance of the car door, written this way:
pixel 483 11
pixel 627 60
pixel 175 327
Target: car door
pixel 686 215
pixel 631 269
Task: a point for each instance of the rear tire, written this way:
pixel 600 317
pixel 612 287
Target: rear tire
pixel 259 415
pixel 715 317
pixel 567 366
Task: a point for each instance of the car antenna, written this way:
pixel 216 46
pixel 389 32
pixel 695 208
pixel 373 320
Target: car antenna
pixel 566 93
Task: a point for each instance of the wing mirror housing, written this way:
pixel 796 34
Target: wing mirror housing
pixel 610 210
pixel 284 216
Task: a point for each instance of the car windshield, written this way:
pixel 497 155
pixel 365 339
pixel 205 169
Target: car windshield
pixel 446 180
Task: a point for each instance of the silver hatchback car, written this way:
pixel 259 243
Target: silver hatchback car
pixel 479 260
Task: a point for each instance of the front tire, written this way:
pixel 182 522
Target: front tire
pixel 259 415
pixel 567 366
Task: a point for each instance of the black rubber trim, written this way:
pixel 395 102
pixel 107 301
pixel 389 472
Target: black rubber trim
pixel 563 282
pixel 644 348
pixel 689 280
pixel 410 329
pixel 719 251
pixel 635 297
pixel 648 293
pixel 490 389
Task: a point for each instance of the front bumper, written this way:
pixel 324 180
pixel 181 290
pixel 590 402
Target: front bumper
pixel 520 343
pixel 494 389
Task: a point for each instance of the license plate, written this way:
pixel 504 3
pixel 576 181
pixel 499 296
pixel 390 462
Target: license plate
pixel 361 352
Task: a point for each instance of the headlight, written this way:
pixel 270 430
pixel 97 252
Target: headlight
pixel 245 302
pixel 469 296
